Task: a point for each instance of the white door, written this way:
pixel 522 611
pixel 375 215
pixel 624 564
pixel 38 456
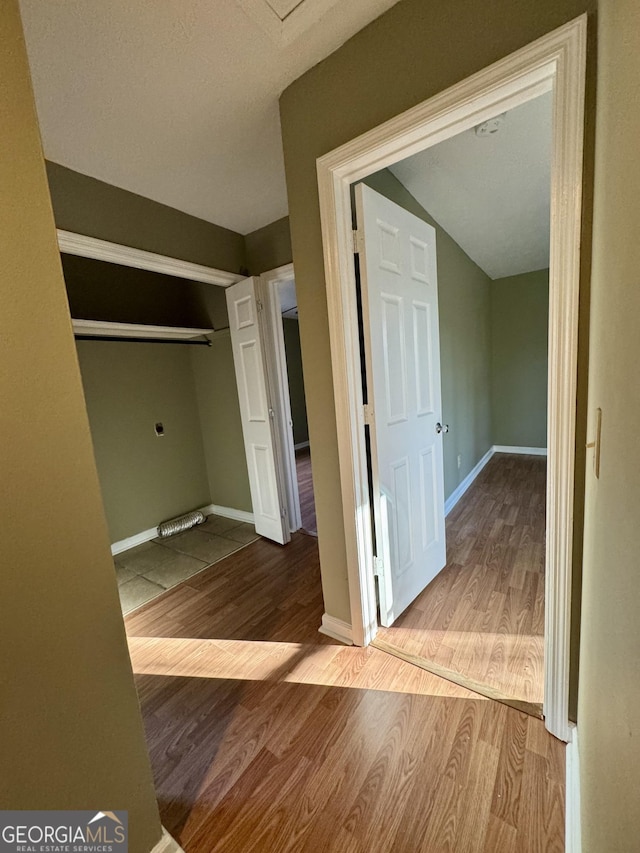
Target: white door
pixel 247 340
pixel 400 312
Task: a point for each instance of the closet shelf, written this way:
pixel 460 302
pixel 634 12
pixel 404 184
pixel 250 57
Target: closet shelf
pixel 138 331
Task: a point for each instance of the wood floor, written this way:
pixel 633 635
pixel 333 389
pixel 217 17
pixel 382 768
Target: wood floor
pixel 483 615
pixel 305 489
pixel 263 592
pixel 265 735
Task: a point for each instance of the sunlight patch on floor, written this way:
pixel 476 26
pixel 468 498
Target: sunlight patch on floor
pixel 502 660
pixel 299 663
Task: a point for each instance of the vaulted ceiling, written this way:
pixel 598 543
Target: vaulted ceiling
pixel 177 100
pixel 491 192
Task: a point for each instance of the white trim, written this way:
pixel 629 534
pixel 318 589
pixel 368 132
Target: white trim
pixel 228 512
pixel 301 445
pixel 573 826
pixel 528 451
pixel 108 329
pixel 278 377
pixel 132 541
pixel 556 62
pixel 126 256
pixel 336 629
pixel 459 491
pixel 284 31
pixel 152 532
pixel 167 844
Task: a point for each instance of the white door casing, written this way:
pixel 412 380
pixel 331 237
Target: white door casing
pixel 400 312
pixel 247 340
pixel 556 62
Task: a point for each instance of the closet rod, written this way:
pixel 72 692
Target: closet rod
pixel 128 340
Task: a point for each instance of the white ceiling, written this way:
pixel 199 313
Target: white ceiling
pixel 491 193
pixel 177 100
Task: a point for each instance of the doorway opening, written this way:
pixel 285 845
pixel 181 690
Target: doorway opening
pixel 453 264
pixel 268 398
pixel 284 367
pixel 554 64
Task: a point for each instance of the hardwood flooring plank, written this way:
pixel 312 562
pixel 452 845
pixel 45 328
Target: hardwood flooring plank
pixel 539 830
pixel 499 836
pixel 475 811
pixel 505 802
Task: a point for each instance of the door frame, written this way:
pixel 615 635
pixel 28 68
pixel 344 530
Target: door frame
pixel 556 62
pixel 276 358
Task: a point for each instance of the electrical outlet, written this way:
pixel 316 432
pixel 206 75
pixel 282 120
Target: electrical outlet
pixel 459 461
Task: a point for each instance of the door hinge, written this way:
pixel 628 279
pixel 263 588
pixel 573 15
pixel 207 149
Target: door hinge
pixel 378 566
pixel 283 512
pixel 357 241
pixel 259 305
pixel 272 414
pixel 368 414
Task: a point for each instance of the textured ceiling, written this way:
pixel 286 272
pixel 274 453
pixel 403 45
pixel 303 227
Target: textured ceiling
pixel 491 193
pixel 177 100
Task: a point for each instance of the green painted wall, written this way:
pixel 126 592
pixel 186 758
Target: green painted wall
pixel 220 423
pixel 204 460
pixel 291 332
pixel 519 342
pixel 72 735
pixel 269 247
pixel 88 206
pixel 137 494
pixel 128 388
pixel 410 53
pixel 103 291
pixel 464 307
pixel 609 694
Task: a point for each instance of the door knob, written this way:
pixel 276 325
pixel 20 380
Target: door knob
pixel 442 428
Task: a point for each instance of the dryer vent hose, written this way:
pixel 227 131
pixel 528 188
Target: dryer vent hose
pixel 181 523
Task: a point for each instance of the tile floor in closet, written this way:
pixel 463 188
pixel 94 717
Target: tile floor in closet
pixel 148 570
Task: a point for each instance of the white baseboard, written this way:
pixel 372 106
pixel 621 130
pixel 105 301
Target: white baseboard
pixel 152 532
pixel 228 512
pixel 529 451
pixel 301 445
pixel 132 541
pixel 167 844
pixel 573 830
pixel 459 491
pixel 336 629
